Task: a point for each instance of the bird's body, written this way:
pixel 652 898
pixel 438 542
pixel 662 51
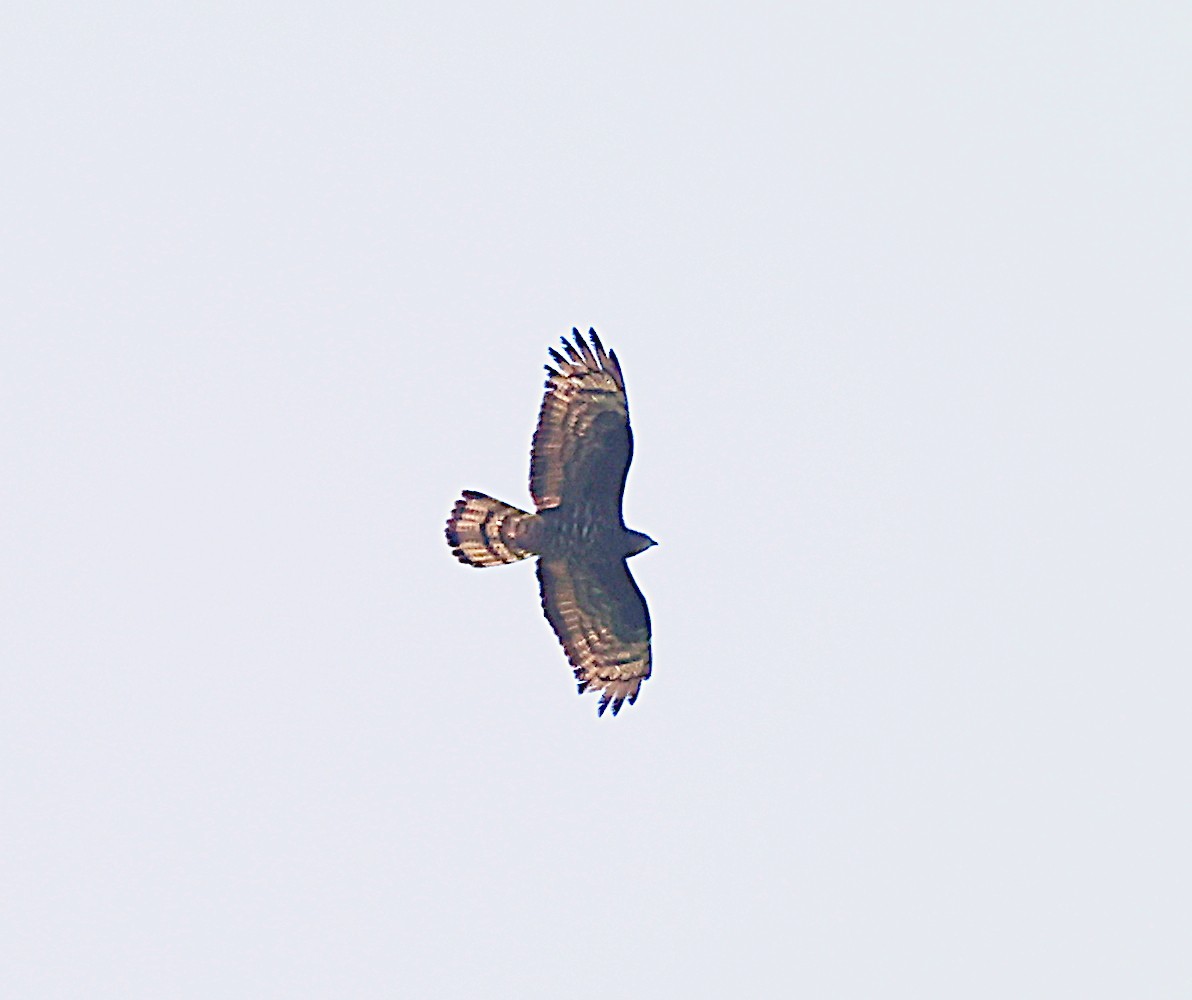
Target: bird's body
pixel 580 456
pixel 578 531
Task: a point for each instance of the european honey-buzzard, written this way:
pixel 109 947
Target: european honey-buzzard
pixel 578 463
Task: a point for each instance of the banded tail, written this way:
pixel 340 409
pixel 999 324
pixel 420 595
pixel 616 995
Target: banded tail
pixel 486 532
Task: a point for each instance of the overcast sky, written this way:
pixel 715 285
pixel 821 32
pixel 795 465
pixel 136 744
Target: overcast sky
pixel 902 296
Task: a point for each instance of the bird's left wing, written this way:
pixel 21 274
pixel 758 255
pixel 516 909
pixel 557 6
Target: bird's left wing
pixel 602 620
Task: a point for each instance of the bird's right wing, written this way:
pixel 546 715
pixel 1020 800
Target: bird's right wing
pixel 582 446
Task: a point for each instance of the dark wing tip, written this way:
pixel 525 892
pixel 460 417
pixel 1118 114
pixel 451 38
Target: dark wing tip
pixel 614 369
pixel 585 353
pixel 573 352
pixel 594 340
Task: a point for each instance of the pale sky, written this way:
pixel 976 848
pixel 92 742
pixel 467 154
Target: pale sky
pixel 902 296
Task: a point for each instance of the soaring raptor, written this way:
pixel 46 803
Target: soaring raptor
pixel 580 456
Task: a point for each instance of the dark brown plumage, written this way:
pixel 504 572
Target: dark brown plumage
pixel 580 457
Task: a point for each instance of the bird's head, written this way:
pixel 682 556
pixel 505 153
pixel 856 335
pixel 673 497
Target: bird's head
pixel 639 542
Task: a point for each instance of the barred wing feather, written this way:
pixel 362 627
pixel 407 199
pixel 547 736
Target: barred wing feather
pixel 582 445
pixel 601 619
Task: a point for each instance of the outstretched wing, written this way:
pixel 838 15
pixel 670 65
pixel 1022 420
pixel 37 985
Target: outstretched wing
pixel 583 446
pixel 603 623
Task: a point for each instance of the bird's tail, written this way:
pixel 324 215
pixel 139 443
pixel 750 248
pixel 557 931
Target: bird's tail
pixel 485 532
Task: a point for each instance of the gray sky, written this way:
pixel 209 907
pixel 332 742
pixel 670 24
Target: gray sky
pixel 902 296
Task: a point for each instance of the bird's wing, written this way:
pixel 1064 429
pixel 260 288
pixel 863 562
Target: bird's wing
pixel 603 623
pixel 583 445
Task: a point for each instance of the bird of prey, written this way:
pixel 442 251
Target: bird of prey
pixel 578 463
